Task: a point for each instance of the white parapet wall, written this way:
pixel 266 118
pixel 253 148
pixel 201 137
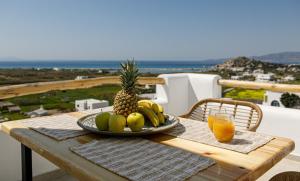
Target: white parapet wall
pixel 181 91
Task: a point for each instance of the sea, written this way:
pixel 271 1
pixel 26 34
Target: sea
pixel 151 66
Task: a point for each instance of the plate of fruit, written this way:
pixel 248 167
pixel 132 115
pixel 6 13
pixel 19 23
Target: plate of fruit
pixel 143 122
pixel 129 117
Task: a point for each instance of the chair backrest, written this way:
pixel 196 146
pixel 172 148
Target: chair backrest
pixel 286 176
pixel 247 115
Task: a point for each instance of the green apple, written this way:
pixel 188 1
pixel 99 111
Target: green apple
pixel 116 123
pixel 135 121
pixel 102 121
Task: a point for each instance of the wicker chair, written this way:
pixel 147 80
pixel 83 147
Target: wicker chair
pixel 286 176
pixel 247 115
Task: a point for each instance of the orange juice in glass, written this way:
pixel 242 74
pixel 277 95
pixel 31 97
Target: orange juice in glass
pixel 212 116
pixel 210 121
pixel 223 128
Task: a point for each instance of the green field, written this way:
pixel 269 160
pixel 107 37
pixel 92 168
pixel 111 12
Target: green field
pixel 245 94
pixel 63 101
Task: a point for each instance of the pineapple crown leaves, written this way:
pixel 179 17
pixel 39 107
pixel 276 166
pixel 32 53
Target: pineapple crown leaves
pixel 129 75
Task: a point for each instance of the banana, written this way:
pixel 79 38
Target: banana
pixel 161 118
pixel 144 104
pixel 155 107
pixel 160 108
pixel 150 115
pixel 147 103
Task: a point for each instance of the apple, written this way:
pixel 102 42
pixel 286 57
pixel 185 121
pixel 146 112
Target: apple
pixel 135 121
pixel 101 121
pixel 116 123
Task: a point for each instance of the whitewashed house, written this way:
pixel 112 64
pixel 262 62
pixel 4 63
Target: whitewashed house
pixel 258 71
pixel 237 69
pixel 289 78
pixel 247 74
pixel 235 77
pixel 90 104
pixel 264 77
pixel 80 77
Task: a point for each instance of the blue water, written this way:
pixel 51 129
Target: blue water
pixel 145 66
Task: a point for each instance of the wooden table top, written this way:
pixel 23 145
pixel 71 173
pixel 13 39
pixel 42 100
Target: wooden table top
pixel 230 165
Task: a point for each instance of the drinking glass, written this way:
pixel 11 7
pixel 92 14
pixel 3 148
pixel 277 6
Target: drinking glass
pixel 223 127
pixel 212 115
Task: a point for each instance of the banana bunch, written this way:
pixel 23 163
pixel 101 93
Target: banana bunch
pixel 152 111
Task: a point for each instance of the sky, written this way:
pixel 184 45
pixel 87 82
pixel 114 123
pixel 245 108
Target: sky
pixel 147 29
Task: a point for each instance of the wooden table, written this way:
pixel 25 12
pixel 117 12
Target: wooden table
pixel 230 165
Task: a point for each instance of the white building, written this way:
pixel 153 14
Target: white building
pixel 289 78
pixel 264 77
pixel 247 74
pixel 258 71
pixel 90 104
pixel 273 98
pixel 237 69
pixel 235 77
pixel 80 77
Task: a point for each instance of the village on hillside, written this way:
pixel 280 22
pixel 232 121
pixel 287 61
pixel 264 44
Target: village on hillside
pixel 243 68
pixel 248 69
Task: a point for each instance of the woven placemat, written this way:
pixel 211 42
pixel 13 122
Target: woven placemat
pixel 198 131
pixel 139 159
pixel 58 127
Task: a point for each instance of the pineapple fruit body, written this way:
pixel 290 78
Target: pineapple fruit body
pixel 125 103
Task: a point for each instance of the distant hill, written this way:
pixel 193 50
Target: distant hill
pixel 247 63
pixel 281 58
pixel 284 57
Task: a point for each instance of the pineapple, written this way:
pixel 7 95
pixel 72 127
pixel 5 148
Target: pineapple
pixel 125 101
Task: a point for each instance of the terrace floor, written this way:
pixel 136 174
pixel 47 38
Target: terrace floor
pixel 288 164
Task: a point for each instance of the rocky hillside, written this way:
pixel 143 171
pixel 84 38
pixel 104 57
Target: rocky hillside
pixel 247 63
pixel 281 58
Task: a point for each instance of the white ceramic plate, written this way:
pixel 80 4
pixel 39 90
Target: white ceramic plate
pixel 88 123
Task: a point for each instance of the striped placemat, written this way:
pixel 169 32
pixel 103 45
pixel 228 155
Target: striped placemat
pixel 139 159
pixel 198 131
pixel 59 127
